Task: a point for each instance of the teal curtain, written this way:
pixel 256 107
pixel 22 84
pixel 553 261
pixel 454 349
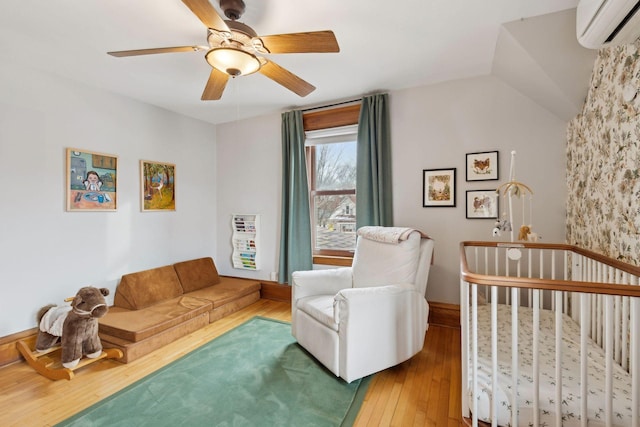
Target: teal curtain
pixel 295 241
pixel 373 170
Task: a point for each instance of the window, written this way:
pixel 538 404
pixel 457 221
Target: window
pixel 332 192
pixel 331 167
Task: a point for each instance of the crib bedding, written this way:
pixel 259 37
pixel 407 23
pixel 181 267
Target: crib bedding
pixel 622 402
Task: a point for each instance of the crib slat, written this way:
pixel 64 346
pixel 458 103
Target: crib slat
pixel 617 324
pixel 464 348
pixel 474 350
pixel 494 355
pixel 625 337
pixel 576 273
pixel 635 360
pixel 536 358
pixel 514 357
pixel 584 393
pixel 556 303
pixel 475 259
pixel 565 276
pixel 506 273
pixel 541 268
pixel 529 275
pixel 608 405
pixel 600 279
pixel 558 298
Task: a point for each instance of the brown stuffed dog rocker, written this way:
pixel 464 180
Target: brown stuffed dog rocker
pixel 76 324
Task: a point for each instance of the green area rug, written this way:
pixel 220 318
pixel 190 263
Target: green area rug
pixel 253 375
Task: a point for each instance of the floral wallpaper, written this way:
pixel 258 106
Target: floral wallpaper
pixel 603 159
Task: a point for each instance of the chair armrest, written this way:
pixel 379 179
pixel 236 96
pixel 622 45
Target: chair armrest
pixel 378 327
pixel 360 300
pixel 320 282
pixel 358 307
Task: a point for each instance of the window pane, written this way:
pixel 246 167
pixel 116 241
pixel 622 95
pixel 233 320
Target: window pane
pixel 335 220
pixel 335 166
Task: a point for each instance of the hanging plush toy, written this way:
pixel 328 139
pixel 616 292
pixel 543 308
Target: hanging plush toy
pixel 520 190
pixel 500 226
pixel 525 230
pixel 76 325
pixel 527 235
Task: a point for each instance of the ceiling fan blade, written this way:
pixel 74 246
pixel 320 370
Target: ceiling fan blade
pixel 137 52
pixel 311 42
pixel 207 14
pixel 215 85
pixel 286 78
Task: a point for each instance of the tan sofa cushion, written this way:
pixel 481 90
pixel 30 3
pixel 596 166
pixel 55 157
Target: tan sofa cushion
pixel 228 290
pixel 233 306
pixel 197 274
pixel 145 288
pixel 138 325
pixel 134 350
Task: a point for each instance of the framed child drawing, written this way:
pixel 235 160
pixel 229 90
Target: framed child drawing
pixel 92 180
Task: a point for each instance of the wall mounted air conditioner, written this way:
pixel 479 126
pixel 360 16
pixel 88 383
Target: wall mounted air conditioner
pixel 601 23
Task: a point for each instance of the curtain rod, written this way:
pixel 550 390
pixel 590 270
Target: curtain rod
pixel 332 105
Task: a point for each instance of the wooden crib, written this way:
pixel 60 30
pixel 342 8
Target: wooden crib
pixel 550 336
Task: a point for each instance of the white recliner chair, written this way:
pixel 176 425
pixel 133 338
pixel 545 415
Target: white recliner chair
pixel 362 319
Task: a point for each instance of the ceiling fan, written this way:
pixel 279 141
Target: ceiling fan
pixel 234 48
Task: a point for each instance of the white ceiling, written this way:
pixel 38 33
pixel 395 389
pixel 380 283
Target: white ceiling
pixel 384 45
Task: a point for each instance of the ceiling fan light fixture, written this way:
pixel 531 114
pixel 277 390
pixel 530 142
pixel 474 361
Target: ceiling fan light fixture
pixel 258 45
pixel 235 62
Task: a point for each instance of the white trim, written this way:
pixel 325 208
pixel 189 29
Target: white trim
pixel 331 135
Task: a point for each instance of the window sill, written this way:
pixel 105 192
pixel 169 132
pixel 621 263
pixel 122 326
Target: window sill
pixel 339 261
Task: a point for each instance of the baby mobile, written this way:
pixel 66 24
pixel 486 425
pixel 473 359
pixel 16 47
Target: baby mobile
pixel 519 190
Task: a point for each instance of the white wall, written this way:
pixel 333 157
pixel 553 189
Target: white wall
pixel 249 181
pixel 435 126
pixel 46 253
pixel 431 127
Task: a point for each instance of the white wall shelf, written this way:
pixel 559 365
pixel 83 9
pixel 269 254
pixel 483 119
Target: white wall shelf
pixel 245 241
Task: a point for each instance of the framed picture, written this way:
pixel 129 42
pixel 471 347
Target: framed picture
pixel 157 186
pixel 482 166
pixel 439 187
pixel 482 204
pixel 92 180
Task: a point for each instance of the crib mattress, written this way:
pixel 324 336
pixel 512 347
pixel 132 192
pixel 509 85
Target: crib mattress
pixel 570 372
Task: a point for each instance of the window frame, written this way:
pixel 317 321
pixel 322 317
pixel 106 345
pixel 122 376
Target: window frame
pixel 310 156
pixel 317 120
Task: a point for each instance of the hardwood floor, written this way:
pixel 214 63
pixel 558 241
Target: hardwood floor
pixel 424 391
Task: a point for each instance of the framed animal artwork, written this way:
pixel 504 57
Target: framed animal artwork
pixel 439 187
pixel 482 166
pixel 157 186
pixel 482 204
